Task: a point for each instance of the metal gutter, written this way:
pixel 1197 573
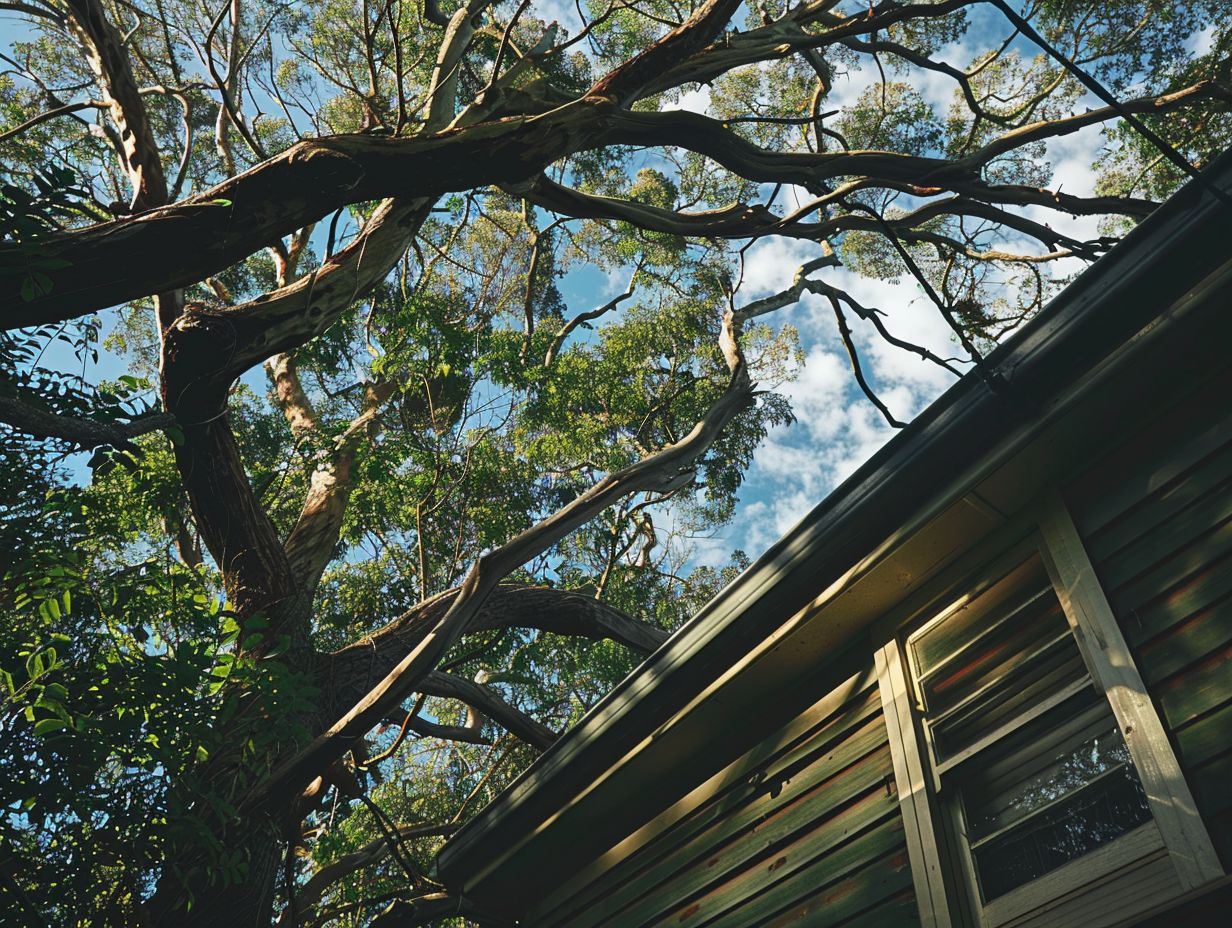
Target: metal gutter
pixel 1108 304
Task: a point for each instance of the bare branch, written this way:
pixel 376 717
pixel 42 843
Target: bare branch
pixel 310 545
pixel 369 855
pixel 1102 92
pixel 180 244
pixel 1054 128
pixel 64 110
pixel 443 88
pixel 108 58
pixel 432 13
pixel 352 671
pixel 31 9
pixel 289 394
pixel 214 346
pixel 429 909
pixel 629 81
pixel 565 330
pixel 857 371
pixel 489 703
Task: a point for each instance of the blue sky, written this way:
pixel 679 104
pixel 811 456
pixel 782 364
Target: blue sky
pixel 837 427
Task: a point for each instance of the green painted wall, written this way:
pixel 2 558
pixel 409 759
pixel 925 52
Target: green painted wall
pixel 810 838
pixel 1156 516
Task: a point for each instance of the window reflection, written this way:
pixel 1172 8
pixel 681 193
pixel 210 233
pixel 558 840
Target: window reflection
pixel 1028 749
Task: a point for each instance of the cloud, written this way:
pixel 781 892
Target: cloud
pixel 837 428
pixel 770 265
pixel 693 101
pixel 563 12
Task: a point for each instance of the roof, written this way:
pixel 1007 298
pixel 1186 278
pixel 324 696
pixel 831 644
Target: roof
pixel 963 463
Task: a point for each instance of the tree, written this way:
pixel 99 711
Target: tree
pixel 221 642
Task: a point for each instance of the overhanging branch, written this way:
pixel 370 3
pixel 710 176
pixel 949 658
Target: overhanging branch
pixel 86 433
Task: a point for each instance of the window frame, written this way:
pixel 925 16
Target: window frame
pixel 941 862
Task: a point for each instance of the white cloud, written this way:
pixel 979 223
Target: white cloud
pixel 1200 43
pixel 838 429
pixel 563 12
pixel 770 265
pixel 693 101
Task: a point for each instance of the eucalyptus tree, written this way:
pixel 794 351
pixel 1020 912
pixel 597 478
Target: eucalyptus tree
pixel 377 503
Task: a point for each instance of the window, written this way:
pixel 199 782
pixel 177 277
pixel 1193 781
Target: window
pixel 1024 746
pixel 1036 781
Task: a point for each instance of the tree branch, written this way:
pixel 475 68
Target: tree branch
pixel 177 245
pixel 628 82
pixel 429 909
pixel 87 433
pixel 351 672
pixel 370 854
pixel 311 542
pixel 210 347
pixel 104 47
pixel 489 703
pixel 443 88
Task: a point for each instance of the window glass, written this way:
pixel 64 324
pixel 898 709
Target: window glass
pixel 1028 749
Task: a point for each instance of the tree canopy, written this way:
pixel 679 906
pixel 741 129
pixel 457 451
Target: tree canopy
pixel 368 366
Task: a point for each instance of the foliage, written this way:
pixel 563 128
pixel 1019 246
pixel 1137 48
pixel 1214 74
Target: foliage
pixel 527 337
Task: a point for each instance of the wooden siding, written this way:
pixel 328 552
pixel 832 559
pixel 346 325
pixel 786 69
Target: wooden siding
pixel 1156 518
pixel 811 838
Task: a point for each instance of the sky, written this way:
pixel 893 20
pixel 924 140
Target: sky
pixel 836 428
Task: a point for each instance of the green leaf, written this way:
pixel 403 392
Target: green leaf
pixel 35 665
pixel 46 726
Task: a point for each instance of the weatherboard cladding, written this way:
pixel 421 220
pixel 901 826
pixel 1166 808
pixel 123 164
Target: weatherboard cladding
pixel 1156 516
pixel 810 835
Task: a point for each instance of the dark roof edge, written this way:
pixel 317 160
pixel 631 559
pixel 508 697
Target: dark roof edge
pixel 1080 315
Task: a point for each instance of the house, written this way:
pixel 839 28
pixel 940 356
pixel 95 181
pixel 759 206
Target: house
pixel 985 683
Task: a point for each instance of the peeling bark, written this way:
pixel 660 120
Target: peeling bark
pixel 310 545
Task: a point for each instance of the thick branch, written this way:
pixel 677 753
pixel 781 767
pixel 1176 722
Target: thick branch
pixel 210 347
pixel 443 89
pixel 84 432
pixel 289 394
pixel 737 221
pixel 787 36
pixel 744 221
pixel 628 81
pixel 104 47
pixel 257 576
pixel 180 244
pixel 175 246
pixel 310 544
pixel 467 734
pixel 489 703
pixel 352 671
pixel 430 909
